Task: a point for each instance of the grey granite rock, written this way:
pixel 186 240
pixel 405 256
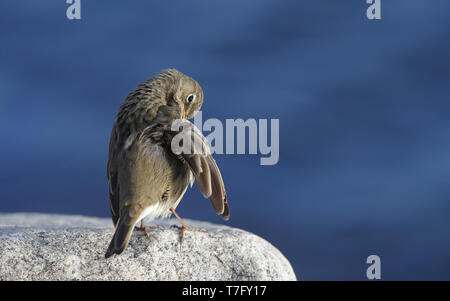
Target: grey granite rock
pixel 68 247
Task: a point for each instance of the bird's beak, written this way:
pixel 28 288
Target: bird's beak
pixel 183 113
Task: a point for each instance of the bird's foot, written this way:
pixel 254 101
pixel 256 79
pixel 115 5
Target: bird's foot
pixel 183 228
pixel 144 228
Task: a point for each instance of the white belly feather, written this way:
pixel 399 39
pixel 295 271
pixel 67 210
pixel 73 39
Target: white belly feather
pixel 160 209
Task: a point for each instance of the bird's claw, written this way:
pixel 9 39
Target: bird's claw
pixel 145 228
pixel 183 228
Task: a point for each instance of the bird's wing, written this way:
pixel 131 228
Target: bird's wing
pixel 112 174
pixel 203 167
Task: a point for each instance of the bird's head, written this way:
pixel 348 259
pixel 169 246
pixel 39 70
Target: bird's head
pixel 182 93
pixel 188 95
pixel 168 96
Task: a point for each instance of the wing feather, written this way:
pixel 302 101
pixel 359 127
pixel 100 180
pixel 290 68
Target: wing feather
pixel 113 177
pixel 204 168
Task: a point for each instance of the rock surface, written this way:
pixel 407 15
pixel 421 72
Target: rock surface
pixel 68 247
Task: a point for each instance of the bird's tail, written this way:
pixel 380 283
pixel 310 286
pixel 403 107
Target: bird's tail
pixel 121 237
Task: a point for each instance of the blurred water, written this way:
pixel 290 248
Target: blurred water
pixel 363 106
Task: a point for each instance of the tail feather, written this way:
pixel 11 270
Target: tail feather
pixel 120 239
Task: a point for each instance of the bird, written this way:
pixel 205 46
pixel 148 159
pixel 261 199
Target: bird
pixel 147 179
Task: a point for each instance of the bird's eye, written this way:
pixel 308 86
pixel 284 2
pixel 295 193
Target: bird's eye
pixel 190 98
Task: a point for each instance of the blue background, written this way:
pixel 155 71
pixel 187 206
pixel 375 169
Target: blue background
pixel 363 105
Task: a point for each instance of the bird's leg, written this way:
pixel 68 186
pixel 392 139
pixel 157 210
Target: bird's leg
pixel 144 228
pixel 183 226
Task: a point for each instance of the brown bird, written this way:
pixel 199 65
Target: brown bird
pixel 146 177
